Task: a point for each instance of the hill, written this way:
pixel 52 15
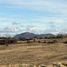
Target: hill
pixel 26 35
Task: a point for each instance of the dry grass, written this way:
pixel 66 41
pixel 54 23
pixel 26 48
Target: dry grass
pixel 35 54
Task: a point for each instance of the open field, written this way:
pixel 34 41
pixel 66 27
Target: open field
pixel 36 53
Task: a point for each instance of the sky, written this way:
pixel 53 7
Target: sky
pixel 37 16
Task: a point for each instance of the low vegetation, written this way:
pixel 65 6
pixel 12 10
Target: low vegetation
pixel 34 52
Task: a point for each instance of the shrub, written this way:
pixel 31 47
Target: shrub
pixel 65 42
pixel 39 41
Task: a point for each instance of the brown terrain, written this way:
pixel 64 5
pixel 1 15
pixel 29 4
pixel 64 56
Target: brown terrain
pixel 33 55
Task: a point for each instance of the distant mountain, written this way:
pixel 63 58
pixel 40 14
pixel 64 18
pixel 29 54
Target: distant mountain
pixel 29 35
pixel 26 35
pixel 45 35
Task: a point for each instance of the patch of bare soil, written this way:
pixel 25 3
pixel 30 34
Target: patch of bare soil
pixel 33 54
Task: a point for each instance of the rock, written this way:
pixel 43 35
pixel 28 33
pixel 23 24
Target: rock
pixel 59 64
pixel 42 65
pixel 65 64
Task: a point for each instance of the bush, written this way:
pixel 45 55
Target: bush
pixel 53 41
pixel 39 41
pixel 44 41
pixel 65 42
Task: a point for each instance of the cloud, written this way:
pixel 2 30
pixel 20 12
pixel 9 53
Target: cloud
pixel 55 5
pixel 58 7
pixel 46 15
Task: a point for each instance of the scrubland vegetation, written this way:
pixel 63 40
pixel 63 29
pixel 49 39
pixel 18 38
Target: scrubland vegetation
pixel 35 52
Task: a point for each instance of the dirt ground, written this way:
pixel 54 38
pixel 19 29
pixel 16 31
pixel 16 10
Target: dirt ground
pixel 37 53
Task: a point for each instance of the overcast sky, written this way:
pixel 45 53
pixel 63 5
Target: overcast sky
pixel 38 16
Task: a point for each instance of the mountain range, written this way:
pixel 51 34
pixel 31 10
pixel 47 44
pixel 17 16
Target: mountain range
pixel 28 35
